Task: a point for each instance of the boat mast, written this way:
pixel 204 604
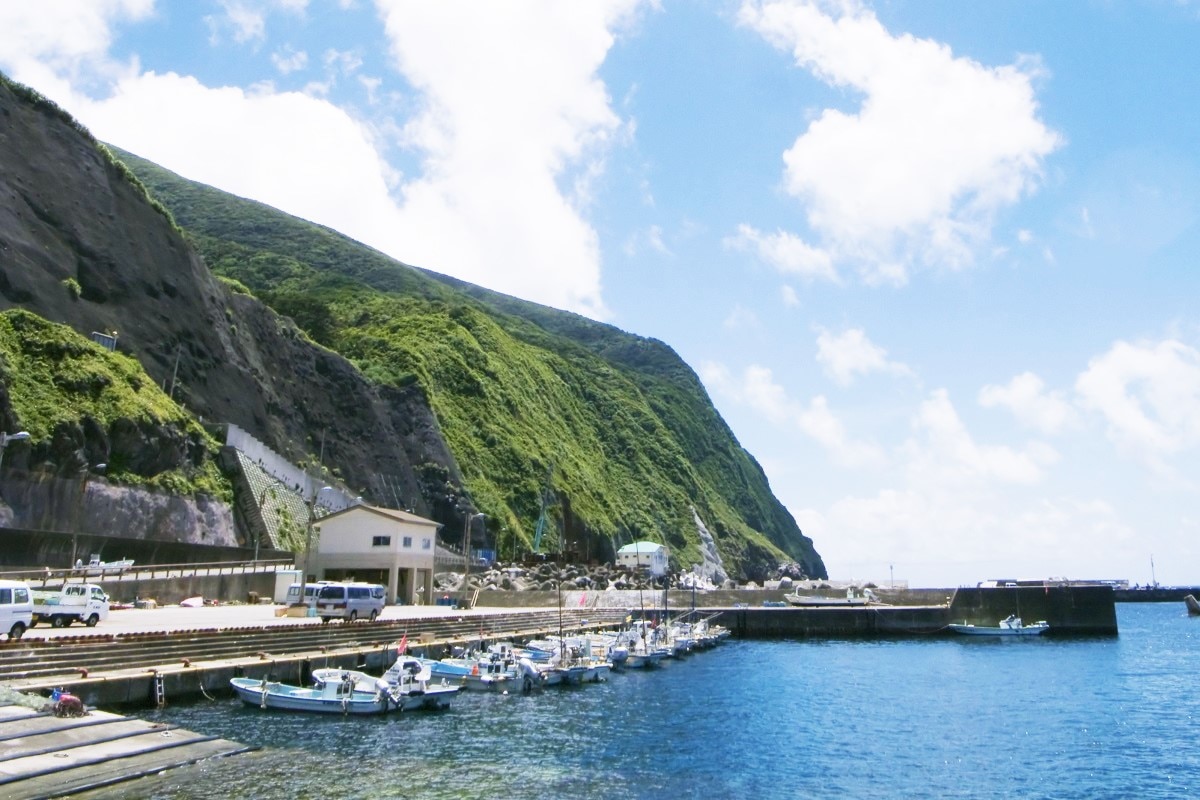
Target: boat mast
pixel 562 645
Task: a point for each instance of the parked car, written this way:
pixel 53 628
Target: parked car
pixel 350 601
pixel 75 602
pixel 16 608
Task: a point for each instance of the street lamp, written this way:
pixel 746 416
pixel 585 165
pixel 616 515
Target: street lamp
pixel 5 438
pixel 312 507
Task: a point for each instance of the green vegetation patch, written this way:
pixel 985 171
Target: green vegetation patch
pixel 55 376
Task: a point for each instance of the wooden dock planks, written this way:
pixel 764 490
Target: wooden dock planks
pixel 46 756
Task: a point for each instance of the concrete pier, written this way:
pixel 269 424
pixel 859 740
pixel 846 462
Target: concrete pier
pixel 42 755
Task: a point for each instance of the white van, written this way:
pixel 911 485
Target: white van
pixel 310 593
pixel 16 608
pixel 350 601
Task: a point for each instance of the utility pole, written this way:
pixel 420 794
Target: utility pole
pixel 87 475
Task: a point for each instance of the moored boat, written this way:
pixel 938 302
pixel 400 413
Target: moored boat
pixel 340 697
pixel 408 684
pixel 852 598
pixel 1010 626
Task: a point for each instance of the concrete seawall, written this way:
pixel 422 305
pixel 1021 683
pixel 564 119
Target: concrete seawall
pixel 1075 610
pixel 1069 610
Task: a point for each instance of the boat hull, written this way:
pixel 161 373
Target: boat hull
pixel 985 630
pixel 283 697
pixel 404 697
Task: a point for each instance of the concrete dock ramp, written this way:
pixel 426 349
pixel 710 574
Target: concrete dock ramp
pixel 42 755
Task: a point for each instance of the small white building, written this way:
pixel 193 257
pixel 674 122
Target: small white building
pixel 378 545
pixel 650 556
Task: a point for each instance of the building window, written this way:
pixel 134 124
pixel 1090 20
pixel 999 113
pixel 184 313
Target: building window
pixel 426 544
pixel 381 541
pixel 408 542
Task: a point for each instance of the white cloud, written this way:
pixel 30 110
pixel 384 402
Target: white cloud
pixel 789 296
pixel 247 21
pixel 786 252
pixel 758 390
pixel 943 450
pixel 1027 398
pixel 53 44
pixel 819 422
pixel 851 353
pixel 500 143
pixel 938 146
pixel 1149 394
pixel 342 62
pixel 288 60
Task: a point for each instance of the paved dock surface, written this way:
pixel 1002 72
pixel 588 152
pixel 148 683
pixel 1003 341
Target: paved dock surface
pixel 178 618
pixel 44 756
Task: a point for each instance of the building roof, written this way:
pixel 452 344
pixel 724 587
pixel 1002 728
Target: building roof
pixel 392 513
pixel 641 547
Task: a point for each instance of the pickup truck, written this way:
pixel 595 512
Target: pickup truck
pixel 75 602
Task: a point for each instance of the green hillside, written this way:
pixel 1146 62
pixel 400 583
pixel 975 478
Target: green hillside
pixel 57 381
pixel 520 391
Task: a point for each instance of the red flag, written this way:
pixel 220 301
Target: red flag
pixel 583 598
pixel 403 644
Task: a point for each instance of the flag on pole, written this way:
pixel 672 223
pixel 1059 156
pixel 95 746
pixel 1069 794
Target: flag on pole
pixel 403 644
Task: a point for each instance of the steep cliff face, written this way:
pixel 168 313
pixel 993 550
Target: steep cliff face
pixel 81 244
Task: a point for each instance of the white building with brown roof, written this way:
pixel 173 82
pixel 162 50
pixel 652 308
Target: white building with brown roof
pixel 377 545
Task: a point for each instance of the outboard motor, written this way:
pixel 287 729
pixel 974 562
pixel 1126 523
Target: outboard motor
pixel 530 677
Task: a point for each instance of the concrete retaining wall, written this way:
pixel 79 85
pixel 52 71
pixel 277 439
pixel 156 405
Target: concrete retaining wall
pixel 169 591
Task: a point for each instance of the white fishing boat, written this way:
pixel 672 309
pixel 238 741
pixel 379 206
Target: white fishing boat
pixel 852 598
pixel 1010 626
pixel 97 567
pixel 408 684
pixel 475 672
pixel 572 661
pixel 339 697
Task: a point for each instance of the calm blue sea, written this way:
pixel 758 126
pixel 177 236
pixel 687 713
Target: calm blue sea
pixel 1041 718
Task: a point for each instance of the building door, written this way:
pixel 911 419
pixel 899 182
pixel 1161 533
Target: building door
pixel 404 585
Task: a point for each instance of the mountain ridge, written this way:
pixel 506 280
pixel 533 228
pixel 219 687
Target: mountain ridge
pixel 474 399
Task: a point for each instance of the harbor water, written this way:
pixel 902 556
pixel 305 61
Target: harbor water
pixel 962 717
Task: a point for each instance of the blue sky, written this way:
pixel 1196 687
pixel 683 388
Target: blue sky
pixel 934 261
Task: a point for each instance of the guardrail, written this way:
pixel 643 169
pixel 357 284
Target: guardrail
pixel 85 573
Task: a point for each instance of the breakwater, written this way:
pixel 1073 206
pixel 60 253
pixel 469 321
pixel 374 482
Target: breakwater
pixel 1069 610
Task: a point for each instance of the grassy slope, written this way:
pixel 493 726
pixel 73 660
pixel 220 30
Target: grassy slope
pixel 517 387
pixel 56 377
